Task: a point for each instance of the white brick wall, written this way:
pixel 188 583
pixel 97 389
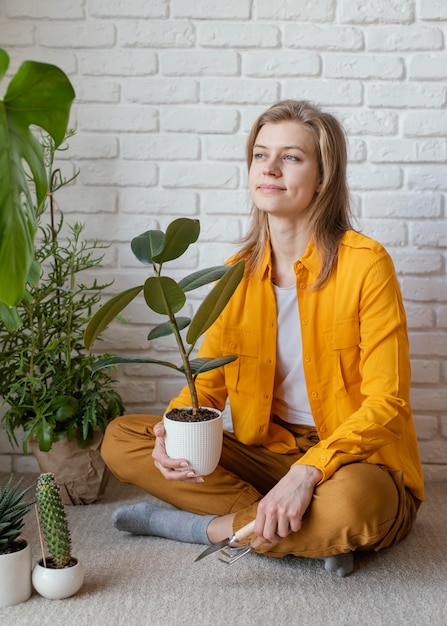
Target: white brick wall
pixel 166 92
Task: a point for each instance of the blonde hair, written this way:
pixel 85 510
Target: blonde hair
pixel 329 215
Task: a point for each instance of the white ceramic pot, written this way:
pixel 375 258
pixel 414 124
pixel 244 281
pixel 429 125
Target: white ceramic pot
pixel 57 584
pixel 15 577
pixel 200 443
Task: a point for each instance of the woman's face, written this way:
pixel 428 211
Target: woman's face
pixel 284 175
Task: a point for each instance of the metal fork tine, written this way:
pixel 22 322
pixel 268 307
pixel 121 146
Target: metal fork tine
pixel 230 554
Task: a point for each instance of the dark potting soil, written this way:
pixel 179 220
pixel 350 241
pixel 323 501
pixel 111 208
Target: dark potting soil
pixel 50 564
pixel 185 415
pixel 15 546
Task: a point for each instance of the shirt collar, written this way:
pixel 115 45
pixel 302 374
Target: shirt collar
pixel 309 259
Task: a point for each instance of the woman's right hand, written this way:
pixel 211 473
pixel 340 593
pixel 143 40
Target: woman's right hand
pixel 172 469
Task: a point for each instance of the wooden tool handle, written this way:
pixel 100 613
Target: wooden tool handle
pixel 244 532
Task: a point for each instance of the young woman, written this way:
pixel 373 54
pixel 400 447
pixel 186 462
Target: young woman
pixel 324 453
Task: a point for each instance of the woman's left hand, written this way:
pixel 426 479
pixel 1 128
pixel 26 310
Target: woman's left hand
pixel 281 511
pixel 172 469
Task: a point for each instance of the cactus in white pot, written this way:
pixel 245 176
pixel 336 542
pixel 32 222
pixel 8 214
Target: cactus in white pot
pixel 61 575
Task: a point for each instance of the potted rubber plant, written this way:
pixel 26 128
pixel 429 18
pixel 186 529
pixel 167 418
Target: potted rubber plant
pixel 167 297
pixel 15 552
pixel 55 403
pixel 59 575
pixel 39 96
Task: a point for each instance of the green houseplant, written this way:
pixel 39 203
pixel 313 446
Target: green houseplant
pixel 15 552
pixel 165 296
pixel 38 95
pixel 53 397
pixel 61 575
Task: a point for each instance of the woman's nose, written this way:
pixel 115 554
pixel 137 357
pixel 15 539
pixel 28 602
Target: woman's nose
pixel 271 168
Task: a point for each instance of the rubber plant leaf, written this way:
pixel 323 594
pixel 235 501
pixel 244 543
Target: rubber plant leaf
pixel 107 313
pixel 163 295
pixel 215 302
pixel 203 277
pixel 180 234
pixel 110 361
pixel 206 364
pixel 165 329
pixel 148 244
pixel 38 95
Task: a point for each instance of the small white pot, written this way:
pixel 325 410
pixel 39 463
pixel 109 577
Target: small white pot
pixel 200 443
pixel 57 584
pixel 15 577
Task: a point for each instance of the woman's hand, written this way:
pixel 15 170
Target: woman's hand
pixel 172 469
pixel 281 511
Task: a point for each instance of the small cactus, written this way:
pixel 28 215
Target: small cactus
pixel 54 520
pixel 12 512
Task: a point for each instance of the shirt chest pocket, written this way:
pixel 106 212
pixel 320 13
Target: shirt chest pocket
pixel 343 342
pixel 241 374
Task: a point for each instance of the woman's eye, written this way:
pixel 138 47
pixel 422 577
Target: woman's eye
pixel 257 156
pixel 291 157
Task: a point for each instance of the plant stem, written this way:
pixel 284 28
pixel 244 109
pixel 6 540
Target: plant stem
pixel 186 366
pixel 57 272
pixel 184 356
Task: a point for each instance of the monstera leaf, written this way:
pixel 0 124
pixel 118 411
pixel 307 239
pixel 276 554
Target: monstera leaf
pixel 38 95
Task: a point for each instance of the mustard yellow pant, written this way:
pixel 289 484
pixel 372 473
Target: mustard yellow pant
pixel 361 507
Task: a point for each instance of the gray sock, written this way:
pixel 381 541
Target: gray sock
pixel 340 564
pixel 149 519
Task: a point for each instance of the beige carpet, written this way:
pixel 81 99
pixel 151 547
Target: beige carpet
pixel 138 581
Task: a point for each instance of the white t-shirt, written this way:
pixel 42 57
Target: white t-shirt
pixel 290 401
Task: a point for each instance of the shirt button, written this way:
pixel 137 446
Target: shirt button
pixel 302 285
pixel 314 394
pixel 300 266
pixel 307 358
pixel 323 459
pixel 304 321
pixel 232 346
pixel 323 429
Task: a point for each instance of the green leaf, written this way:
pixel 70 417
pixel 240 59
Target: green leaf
pixel 180 234
pixel 10 317
pixel 66 408
pixel 43 432
pixel 163 295
pixel 148 244
pixel 215 302
pixel 4 63
pixel 107 313
pixel 206 364
pixel 34 273
pixel 165 329
pixel 203 277
pixel 39 95
pixel 124 360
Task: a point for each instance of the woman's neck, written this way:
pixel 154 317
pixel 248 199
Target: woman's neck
pixel 288 244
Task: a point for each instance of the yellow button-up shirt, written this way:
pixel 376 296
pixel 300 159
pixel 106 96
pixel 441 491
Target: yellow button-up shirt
pixel 355 356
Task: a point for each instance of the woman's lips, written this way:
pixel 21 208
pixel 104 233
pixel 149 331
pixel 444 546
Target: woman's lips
pixel 270 188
